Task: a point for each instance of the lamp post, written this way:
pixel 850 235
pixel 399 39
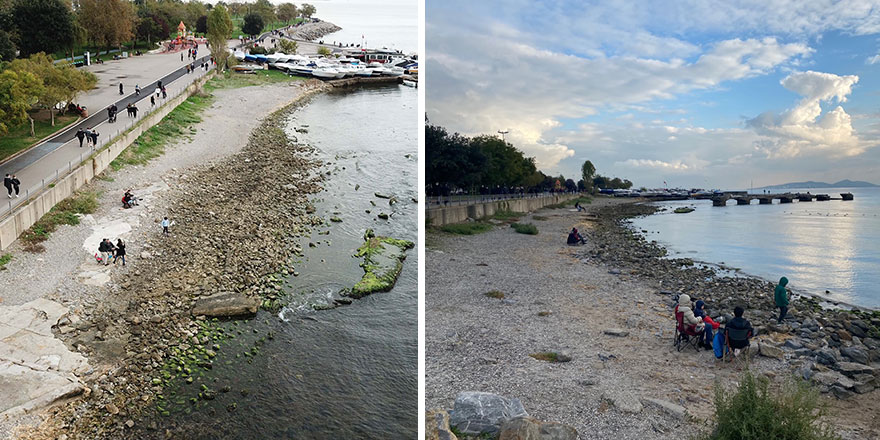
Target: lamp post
pixel 502 133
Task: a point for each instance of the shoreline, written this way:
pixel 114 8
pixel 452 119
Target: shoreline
pixel 563 299
pixel 832 304
pixel 152 295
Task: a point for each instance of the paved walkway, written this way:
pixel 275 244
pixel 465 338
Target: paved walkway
pixel 43 164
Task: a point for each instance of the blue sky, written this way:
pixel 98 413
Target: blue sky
pixel 696 93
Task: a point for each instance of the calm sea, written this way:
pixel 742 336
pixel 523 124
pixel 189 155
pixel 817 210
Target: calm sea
pixel 382 23
pixel 831 246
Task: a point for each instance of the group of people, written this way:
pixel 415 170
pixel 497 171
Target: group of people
pixel 575 238
pixel 91 136
pixel 109 250
pixel 11 183
pixel 129 200
pixel 696 320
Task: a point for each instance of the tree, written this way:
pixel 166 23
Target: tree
pixel 587 171
pixel 108 22
pixel 307 10
pixel 324 51
pixel 60 83
pixel 18 92
pixel 42 25
pixel 7 47
pixel 152 26
pixel 202 25
pixel 287 12
pixel 288 46
pixel 219 26
pixel 253 24
pixel 266 10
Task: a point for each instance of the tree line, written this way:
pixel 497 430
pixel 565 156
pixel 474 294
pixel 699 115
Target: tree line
pixel 485 164
pixel 62 26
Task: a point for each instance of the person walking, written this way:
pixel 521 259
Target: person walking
pixel 106 250
pixel 88 134
pixel 137 90
pixel 181 56
pixel 15 184
pixel 152 101
pixel 80 134
pixel 134 111
pixel 781 297
pixel 7 182
pixel 164 93
pixel 94 138
pixel 120 252
pixel 165 225
pixel 120 88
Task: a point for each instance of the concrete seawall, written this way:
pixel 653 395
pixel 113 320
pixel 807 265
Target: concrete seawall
pixel 26 215
pixel 445 215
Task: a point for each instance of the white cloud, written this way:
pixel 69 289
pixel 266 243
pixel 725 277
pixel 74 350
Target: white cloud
pixel 804 129
pixel 873 60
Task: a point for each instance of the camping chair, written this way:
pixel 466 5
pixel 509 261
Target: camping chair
pixel 734 334
pixel 684 334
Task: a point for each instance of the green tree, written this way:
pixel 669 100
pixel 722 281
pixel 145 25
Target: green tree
pixel 253 24
pixel 287 12
pixel 60 83
pixel 324 51
pixel 202 25
pixel 42 26
pixel 18 93
pixel 587 171
pixel 108 22
pixel 152 26
pixel 307 10
pixel 7 47
pixel 288 46
pixel 266 10
pixel 219 29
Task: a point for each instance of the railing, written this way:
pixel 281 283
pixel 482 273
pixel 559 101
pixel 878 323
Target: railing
pixel 441 201
pixel 119 127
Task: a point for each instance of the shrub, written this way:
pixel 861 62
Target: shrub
pixel 548 356
pixel 525 228
pixel 752 412
pixel 466 228
pixel 495 294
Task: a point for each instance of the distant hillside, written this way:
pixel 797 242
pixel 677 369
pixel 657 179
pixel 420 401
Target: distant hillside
pixel 811 184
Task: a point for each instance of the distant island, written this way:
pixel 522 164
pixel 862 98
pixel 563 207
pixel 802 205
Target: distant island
pixel 811 184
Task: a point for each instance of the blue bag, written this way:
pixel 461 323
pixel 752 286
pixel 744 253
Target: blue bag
pixel 718 345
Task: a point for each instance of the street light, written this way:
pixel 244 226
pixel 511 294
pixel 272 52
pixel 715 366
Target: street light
pixel 502 133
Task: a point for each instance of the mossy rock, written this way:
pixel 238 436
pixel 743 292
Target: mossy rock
pixel 383 261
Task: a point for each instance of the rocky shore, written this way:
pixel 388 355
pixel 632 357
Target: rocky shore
pixel 582 335
pixel 313 30
pixel 236 223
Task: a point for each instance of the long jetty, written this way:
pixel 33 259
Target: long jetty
pixel 744 198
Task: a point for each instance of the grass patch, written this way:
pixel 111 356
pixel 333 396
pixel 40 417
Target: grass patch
pixel 64 213
pixel 471 228
pixel 495 294
pixel 545 313
pixel 583 200
pixel 19 138
pixel 232 80
pixel 525 228
pixel 5 259
pixel 547 356
pixel 507 215
pixel 539 218
pixel 752 411
pixel 174 125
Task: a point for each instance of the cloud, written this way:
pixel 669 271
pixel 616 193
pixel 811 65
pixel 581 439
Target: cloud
pixel 873 60
pixel 804 129
pixel 648 163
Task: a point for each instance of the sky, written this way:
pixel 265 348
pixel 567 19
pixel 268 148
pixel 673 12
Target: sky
pixel 694 93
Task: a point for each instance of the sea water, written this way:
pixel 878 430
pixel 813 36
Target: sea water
pixel 377 23
pixel 831 246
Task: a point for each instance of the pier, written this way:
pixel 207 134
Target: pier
pixel 744 198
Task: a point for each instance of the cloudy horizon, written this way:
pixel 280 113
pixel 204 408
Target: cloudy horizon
pixel 696 94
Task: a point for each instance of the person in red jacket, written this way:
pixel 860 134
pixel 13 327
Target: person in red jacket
pixel 710 324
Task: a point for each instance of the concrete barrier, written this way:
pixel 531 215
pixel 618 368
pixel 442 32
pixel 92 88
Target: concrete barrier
pixel 24 216
pixel 445 215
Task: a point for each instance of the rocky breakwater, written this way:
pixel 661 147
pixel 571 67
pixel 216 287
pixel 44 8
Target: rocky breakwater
pixel 477 415
pixel 383 261
pixel 313 30
pixel 839 350
pixel 237 222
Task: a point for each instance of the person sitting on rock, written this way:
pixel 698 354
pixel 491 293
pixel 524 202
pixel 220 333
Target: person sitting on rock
pixel 739 323
pixel 574 238
pixel 710 324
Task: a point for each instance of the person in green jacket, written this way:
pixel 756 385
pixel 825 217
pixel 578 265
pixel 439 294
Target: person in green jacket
pixel 781 297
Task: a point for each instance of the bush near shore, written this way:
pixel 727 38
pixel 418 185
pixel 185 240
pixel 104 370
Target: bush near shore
pixel 471 228
pixel 525 228
pixel 66 212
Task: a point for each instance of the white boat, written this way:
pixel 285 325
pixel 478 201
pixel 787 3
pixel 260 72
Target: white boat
pixel 410 83
pixel 363 71
pixel 287 67
pixel 325 73
pixel 302 69
pixel 239 55
pixel 396 71
pixel 273 58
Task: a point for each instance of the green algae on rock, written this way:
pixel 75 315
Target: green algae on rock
pixel 383 261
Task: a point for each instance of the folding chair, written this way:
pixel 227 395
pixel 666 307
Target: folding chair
pixel 736 335
pixel 684 334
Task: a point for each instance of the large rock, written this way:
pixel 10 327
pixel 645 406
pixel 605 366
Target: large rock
pixel 383 261
pixel 226 304
pixel 771 351
pixel 856 327
pixel 475 412
pixel 666 406
pixel 437 426
pixel 826 356
pixel 623 401
pixel 852 368
pixel 528 428
pixel 855 354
